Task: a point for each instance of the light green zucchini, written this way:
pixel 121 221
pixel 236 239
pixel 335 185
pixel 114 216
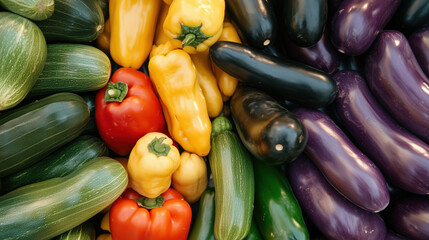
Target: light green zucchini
pixel 32 9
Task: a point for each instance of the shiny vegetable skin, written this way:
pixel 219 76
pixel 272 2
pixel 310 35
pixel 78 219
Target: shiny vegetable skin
pixel 397 81
pixel 419 43
pixel 333 215
pixel 357 23
pixel 204 222
pixel 304 20
pixel 253 232
pixel 286 79
pixel 408 216
pixel 277 213
pixel 255 21
pixel 344 166
pixel 402 157
pixel 268 130
pixel 411 16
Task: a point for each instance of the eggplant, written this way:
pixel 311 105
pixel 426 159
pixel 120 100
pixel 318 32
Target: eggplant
pixel 408 216
pixel 419 43
pixel 411 16
pixel 402 157
pixel 304 20
pixel 286 79
pixel 397 81
pixel 333 215
pixel 393 236
pixel 268 130
pixel 344 166
pixel 322 55
pixel 357 23
pixel 255 21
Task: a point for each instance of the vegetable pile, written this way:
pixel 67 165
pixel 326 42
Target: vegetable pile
pixel 214 119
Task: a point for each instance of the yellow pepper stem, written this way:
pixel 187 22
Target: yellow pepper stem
pixel 191 36
pixel 158 148
pixel 150 203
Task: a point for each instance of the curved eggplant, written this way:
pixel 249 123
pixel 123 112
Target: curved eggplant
pixel 255 21
pixel 408 216
pixel 270 132
pixel 419 43
pixel 397 81
pixel 335 216
pixel 322 55
pixel 344 166
pixel 393 236
pixel 411 15
pixel 286 79
pixel 402 157
pixel 304 20
pixel 357 23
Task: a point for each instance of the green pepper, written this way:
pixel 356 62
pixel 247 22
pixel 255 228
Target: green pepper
pixel 253 232
pixel 203 227
pixel 276 210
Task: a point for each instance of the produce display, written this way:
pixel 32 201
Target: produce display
pixel 214 119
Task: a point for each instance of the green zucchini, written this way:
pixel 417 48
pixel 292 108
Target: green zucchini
pixel 104 5
pixel 22 57
pixel 73 21
pixel 72 67
pixel 32 9
pixel 35 130
pixel 59 163
pixel 84 231
pixel 46 209
pixel 232 171
pixel 204 223
pixel 91 127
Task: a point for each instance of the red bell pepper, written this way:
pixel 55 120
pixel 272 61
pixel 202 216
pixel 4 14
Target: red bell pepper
pixel 133 217
pixel 126 109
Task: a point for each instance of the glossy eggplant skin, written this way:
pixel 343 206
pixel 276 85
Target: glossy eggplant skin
pixel 397 81
pixel 286 79
pixel 357 23
pixel 269 131
pixel 402 157
pixel 408 216
pixel 393 236
pixel 304 20
pixel 411 16
pixel 255 21
pixel 344 166
pixel 333 215
pixel 321 55
pixel 419 43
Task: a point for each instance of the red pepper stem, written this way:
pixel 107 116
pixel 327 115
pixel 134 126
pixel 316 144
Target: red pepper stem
pixel 150 203
pixel 116 92
pixel 158 148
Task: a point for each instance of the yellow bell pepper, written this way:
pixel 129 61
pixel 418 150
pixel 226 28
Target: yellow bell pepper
pixel 182 100
pixel 152 161
pixel 104 236
pixel 227 84
pixel 190 179
pixel 104 224
pixel 103 40
pixel 195 24
pixel 132 27
pixel 160 36
pixel 208 83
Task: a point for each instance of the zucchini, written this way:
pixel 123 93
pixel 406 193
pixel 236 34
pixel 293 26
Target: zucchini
pixel 35 130
pixel 22 57
pixel 204 222
pixel 232 172
pixel 73 21
pixel 46 209
pixel 84 231
pixel 91 127
pixel 58 164
pixel 72 67
pixel 36 10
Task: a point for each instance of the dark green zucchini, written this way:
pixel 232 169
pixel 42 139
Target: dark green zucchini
pixel 253 232
pixel 232 172
pixel 84 231
pixel 59 163
pixel 73 21
pixel 104 5
pixel 46 209
pixel 72 67
pixel 31 132
pixel 279 77
pixel 91 127
pixel 204 223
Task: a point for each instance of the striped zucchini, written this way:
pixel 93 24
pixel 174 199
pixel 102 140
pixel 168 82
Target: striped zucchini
pixel 32 9
pixel 35 130
pixel 22 58
pixel 72 67
pixel 84 231
pixel 46 209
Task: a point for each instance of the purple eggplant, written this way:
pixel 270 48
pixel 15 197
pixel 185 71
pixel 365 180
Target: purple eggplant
pixel 402 157
pixel 356 24
pixel 409 216
pixel 397 81
pixel 393 236
pixel 322 55
pixel 419 43
pixel 335 216
pixel 345 167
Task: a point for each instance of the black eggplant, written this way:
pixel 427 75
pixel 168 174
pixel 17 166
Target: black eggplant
pixel 269 131
pixel 419 43
pixel 411 16
pixel 279 77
